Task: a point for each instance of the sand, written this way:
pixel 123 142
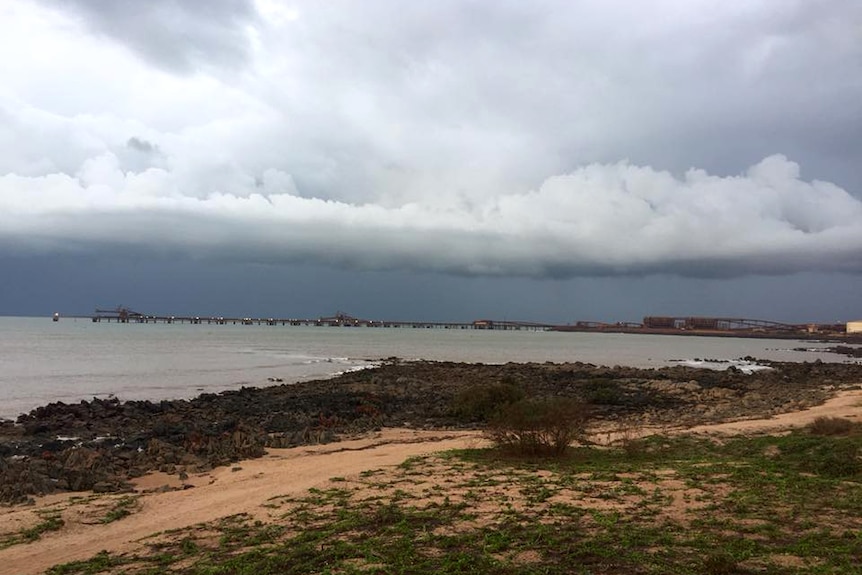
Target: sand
pixel 245 487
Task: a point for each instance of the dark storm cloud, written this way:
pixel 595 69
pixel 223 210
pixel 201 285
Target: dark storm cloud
pixel 180 36
pixel 599 220
pixel 39 286
pixel 541 140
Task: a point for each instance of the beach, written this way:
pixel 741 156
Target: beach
pixel 246 488
pixel 185 463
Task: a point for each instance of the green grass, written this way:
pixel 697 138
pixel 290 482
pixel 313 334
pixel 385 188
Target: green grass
pixel 123 507
pixel 51 521
pixel 774 505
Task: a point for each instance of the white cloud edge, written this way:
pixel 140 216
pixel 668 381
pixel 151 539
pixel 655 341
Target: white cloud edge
pixel 599 219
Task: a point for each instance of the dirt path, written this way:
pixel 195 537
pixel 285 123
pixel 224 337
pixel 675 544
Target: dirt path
pixel 217 494
pixel 243 489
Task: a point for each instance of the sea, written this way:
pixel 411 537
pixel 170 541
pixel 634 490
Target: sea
pixel 42 361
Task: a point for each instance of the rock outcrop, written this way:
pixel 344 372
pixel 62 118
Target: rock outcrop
pixel 102 444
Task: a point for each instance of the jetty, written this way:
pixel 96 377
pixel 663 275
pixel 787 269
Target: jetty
pixel 340 319
pixel 688 325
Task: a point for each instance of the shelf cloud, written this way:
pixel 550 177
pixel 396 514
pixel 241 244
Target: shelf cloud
pixel 603 219
pixel 550 140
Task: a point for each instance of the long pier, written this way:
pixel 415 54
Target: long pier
pixel 123 315
pixel 691 326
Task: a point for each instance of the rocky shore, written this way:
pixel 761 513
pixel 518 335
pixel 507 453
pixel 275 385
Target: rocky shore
pixel 847 350
pixel 101 444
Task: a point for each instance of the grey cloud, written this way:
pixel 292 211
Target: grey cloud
pixel 140 145
pixel 393 102
pixel 470 138
pixel 180 36
pixel 139 155
pixel 545 88
pixel 617 219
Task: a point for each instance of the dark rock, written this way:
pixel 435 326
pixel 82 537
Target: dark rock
pixel 220 429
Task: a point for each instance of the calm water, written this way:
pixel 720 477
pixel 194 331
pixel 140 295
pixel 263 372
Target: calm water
pixel 42 361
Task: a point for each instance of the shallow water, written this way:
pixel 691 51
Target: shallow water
pixel 43 361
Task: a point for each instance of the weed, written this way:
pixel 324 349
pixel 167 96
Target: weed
pixel 122 508
pixel 50 522
pixel 99 563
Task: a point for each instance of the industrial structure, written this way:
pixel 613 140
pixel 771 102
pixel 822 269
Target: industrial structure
pixel 665 325
pixel 715 323
pixel 739 325
pixel 340 319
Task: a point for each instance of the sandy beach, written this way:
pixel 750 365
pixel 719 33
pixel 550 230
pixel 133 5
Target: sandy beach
pixel 246 486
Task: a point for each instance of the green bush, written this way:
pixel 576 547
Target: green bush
pixel 482 402
pixel 604 392
pixel 539 426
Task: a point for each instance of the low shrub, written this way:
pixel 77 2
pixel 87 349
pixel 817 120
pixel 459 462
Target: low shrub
pixel 832 426
pixel 482 402
pixel 539 426
pixel 604 392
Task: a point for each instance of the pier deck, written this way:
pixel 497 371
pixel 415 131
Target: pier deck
pixel 692 326
pixel 122 315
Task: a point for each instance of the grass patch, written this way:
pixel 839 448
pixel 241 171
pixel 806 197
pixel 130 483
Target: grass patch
pixel 50 521
pixel 678 505
pixel 122 508
pixel 101 563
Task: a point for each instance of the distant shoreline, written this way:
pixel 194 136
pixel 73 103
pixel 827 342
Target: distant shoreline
pixel 814 337
pixel 211 430
pixel 651 325
pixel 47 361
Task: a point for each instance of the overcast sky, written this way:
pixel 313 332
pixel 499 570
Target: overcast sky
pixel 551 160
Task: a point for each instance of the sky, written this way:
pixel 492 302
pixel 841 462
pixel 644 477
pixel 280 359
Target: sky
pixel 549 161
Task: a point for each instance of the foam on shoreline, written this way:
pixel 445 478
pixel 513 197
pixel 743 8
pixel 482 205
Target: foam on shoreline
pixel 743 365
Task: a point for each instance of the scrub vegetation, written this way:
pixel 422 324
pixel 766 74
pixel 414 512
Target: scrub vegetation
pixel 50 521
pixel 682 504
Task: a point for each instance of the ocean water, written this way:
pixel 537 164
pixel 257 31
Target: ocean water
pixel 43 361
